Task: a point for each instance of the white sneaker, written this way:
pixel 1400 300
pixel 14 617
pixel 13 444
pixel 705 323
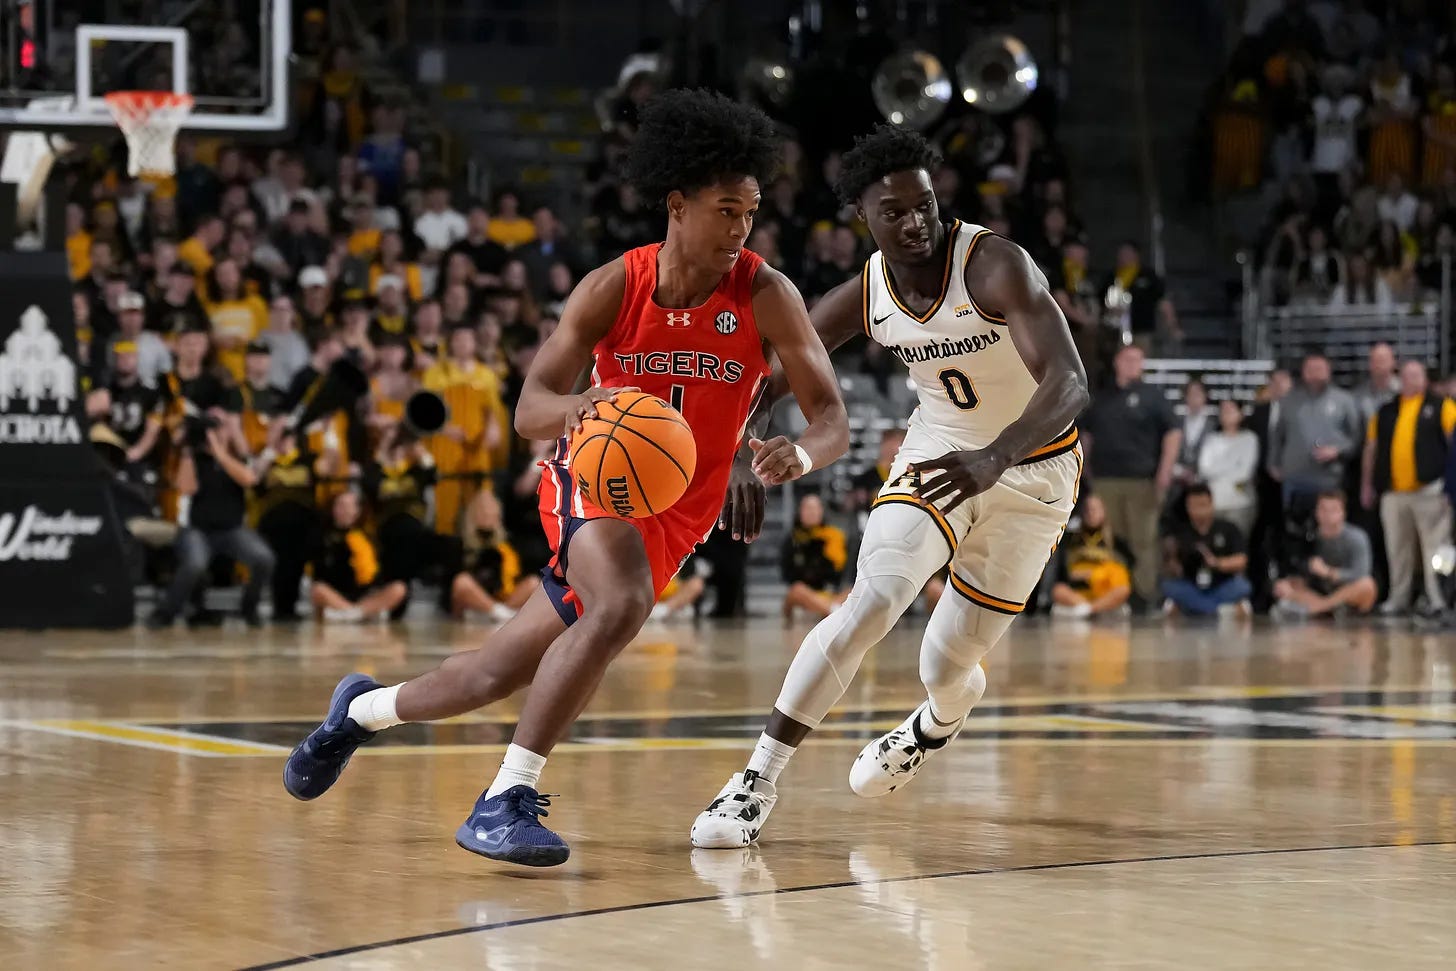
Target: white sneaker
pixel 500 613
pixel 1241 610
pixel 343 615
pixel 1072 611
pixel 735 817
pixel 892 760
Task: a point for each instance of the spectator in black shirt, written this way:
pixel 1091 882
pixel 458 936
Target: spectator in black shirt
pixel 487 256
pixel 1134 440
pixel 297 244
pixel 178 301
pixel 1140 295
pixel 346 580
pixel 287 515
pixel 218 478
pixel 842 264
pixel 1204 562
pixel 136 408
pixel 545 251
pixel 316 299
pixel 813 561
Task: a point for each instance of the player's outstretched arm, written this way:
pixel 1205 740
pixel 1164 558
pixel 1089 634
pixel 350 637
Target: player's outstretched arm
pixel 1006 282
pixel 784 323
pixel 548 407
pixel 836 318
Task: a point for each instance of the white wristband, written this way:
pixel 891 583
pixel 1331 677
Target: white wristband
pixel 804 459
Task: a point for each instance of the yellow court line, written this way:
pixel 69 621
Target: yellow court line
pixel 158 738
pixel 890 701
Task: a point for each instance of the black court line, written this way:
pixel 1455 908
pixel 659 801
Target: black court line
pixel 840 885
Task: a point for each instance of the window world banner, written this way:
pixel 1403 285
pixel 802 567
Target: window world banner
pixel 61 542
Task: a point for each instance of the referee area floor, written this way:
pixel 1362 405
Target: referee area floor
pixel 1141 794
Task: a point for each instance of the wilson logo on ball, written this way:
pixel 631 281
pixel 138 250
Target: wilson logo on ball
pixel 620 496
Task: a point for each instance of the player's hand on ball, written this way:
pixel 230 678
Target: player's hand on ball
pixel 743 507
pixel 958 476
pixel 775 461
pixel 584 406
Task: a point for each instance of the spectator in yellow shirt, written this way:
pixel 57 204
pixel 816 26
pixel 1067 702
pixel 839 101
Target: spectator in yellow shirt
pixel 813 561
pixel 78 242
pixel 364 238
pixel 476 426
pixel 391 262
pixel 346 583
pixel 508 227
pixel 236 316
pixel 197 249
pixel 1406 446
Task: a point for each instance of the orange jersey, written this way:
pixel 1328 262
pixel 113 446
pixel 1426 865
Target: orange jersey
pixel 707 362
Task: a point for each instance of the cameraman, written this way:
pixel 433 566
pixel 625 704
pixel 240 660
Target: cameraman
pixel 215 472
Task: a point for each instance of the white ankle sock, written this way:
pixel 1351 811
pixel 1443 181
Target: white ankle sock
pixel 769 758
pixel 520 767
pixel 930 727
pixel 374 710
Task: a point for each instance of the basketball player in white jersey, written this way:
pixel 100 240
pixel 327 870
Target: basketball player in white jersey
pixel 984 481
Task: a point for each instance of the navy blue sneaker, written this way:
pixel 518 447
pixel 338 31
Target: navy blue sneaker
pixel 318 760
pixel 506 827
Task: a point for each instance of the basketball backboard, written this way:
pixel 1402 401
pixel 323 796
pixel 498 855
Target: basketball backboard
pixel 232 56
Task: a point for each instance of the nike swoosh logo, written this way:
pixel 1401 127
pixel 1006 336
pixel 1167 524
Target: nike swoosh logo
pixel 1051 502
pixel 881 320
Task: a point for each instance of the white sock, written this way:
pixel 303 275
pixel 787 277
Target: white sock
pixel 941 724
pixel 930 727
pixel 769 758
pixel 374 710
pixel 520 767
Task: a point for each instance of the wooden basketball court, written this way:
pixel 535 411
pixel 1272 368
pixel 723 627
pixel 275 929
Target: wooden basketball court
pixel 1145 796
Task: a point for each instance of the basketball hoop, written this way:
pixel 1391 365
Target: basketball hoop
pixel 150 121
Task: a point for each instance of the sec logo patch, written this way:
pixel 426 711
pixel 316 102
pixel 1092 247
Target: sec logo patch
pixel 726 322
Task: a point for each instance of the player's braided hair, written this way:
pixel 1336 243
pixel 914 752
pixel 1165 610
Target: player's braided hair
pixel 882 152
pixel 690 139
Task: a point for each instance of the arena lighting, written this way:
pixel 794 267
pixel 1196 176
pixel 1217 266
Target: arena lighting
pixel 997 74
pixel 911 88
pixel 769 78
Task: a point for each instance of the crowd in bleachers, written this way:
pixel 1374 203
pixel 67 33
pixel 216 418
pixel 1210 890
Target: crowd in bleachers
pixel 216 305
pixel 1342 115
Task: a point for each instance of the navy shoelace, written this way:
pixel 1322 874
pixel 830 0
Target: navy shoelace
pixel 532 803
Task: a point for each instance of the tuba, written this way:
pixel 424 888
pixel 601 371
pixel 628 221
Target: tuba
pixel 425 413
pixel 997 74
pixel 911 88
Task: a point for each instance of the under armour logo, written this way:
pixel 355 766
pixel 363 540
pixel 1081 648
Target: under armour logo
pixel 679 320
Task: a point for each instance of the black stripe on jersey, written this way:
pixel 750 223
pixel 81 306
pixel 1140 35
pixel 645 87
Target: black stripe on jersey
pixel 967 262
pixel 944 282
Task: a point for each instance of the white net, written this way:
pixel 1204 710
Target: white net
pixel 150 121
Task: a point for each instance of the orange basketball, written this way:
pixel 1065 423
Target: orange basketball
pixel 636 458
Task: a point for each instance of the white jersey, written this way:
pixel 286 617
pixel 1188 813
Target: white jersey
pixel 968 375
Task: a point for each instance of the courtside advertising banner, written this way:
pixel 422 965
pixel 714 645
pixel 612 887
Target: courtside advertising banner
pixel 61 559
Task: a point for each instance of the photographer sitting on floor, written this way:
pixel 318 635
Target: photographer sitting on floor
pixel 1336 577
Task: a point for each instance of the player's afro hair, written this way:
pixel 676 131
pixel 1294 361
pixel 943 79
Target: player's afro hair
pixel 691 139
pixel 882 152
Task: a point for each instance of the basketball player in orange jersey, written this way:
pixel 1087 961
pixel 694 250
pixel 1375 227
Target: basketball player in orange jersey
pixel 693 321
pixel 983 482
